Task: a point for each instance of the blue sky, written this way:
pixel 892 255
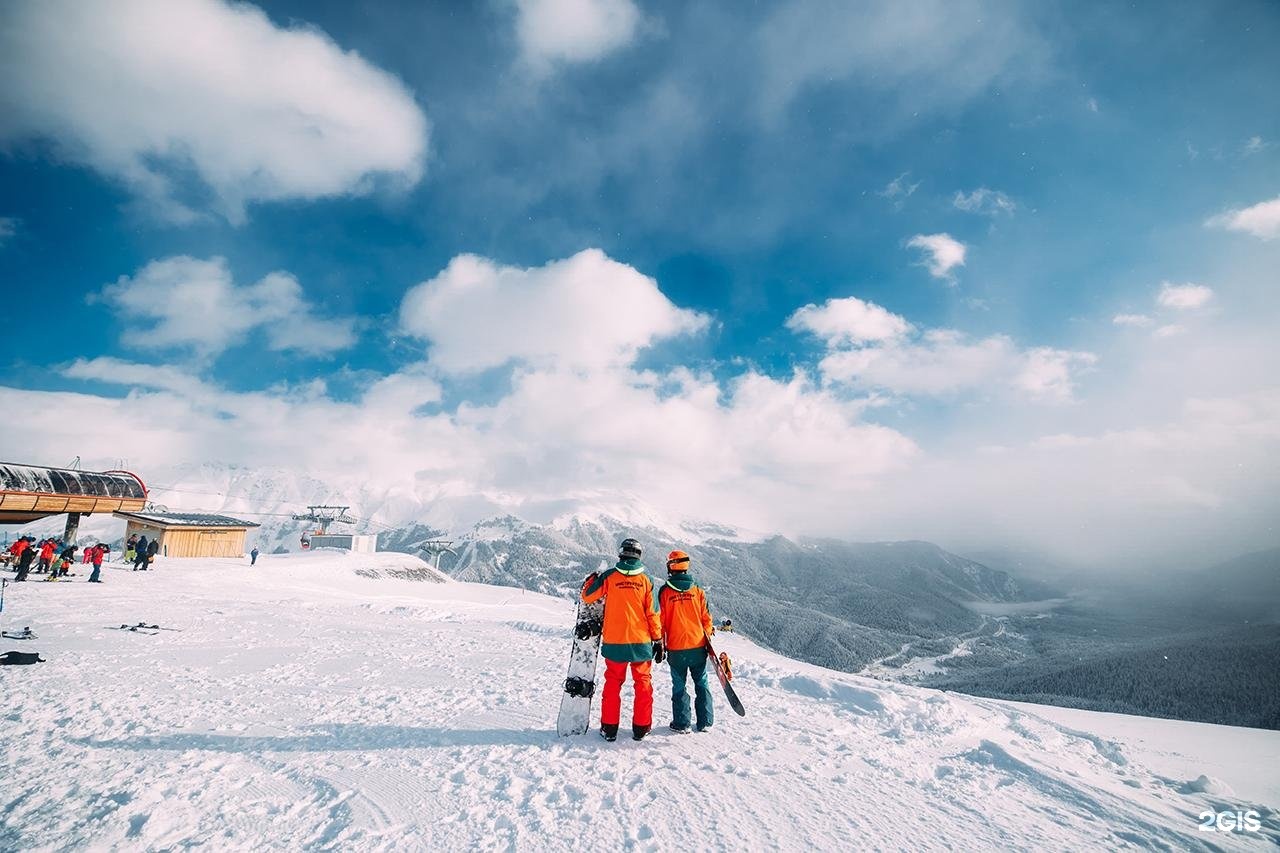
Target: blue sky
pixel 1057 224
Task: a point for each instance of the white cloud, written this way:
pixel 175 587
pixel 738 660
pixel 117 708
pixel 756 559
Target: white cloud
pixel 154 93
pixel 585 311
pixel 1254 145
pixel 1183 297
pixel 933 57
pixel 944 253
pixel 684 441
pixel 872 350
pixel 848 321
pixel 190 303
pixel 573 30
pixel 943 363
pixel 1262 220
pixel 8 228
pixel 1092 104
pixel 1049 374
pixel 899 190
pixel 1139 320
pixel 987 202
pixel 1169 330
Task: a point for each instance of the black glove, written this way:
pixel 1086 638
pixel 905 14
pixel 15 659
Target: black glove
pixel 658 654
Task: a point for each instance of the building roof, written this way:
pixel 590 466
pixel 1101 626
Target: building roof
pixel 35 479
pixel 187 519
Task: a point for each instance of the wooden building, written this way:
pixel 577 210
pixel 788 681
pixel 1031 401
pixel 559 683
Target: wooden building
pixel 185 534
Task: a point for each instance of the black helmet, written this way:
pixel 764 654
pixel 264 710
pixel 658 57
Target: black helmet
pixel 629 549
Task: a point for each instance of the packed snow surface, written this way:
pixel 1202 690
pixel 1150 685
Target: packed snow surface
pixel 338 701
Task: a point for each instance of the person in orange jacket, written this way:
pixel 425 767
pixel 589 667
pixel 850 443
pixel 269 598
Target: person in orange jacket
pixel 632 636
pixel 686 625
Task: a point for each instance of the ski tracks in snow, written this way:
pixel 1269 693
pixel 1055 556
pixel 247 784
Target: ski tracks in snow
pixel 315 710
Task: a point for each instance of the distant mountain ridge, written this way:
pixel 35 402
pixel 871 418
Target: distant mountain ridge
pixel 833 603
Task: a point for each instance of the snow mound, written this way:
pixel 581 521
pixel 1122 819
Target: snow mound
pixel 335 701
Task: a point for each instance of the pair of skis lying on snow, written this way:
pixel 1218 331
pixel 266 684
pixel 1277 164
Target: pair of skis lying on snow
pixel 142 628
pixel 579 686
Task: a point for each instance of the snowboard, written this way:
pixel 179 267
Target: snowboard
pixel 725 674
pixel 580 685
pixel 24 634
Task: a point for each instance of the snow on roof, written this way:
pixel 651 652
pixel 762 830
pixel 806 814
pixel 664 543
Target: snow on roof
pixel 188 519
pixel 64 481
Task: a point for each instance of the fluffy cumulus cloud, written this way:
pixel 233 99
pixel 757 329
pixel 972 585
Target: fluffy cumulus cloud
pixel 873 350
pixel 584 311
pixel 1262 220
pixel 1139 320
pixel 942 253
pixel 848 321
pixel 184 302
pixel 553 31
pixel 166 94
pixel 1183 297
pixel 987 202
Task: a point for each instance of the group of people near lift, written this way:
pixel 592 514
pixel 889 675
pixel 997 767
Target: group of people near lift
pixel 54 558
pixel 640 630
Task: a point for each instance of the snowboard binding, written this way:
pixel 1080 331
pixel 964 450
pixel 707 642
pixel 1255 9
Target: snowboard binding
pixel 579 687
pixel 587 630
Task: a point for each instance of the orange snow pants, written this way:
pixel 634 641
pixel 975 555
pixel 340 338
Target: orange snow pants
pixel 615 672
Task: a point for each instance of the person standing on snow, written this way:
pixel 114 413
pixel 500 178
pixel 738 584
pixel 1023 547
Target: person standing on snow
pixel 46 556
pixel 253 556
pixel 686 624
pixel 632 636
pixel 96 555
pixel 140 553
pixel 130 552
pixel 25 556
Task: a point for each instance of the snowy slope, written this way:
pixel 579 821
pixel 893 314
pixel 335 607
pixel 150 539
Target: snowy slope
pixel 303 704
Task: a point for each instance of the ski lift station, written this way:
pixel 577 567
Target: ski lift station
pixel 361 544
pixel 324 515
pixel 32 492
pixel 189 534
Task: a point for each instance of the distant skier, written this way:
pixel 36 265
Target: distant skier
pixel 25 557
pixel 96 555
pixel 65 561
pixel 686 623
pixel 140 553
pixel 46 556
pixel 16 549
pixel 153 548
pixel 130 549
pixel 632 636
pixel 253 557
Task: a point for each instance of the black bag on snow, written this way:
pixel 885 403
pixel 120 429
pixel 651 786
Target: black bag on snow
pixel 18 658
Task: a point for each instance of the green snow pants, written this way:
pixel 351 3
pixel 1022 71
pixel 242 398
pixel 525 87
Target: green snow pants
pixel 684 663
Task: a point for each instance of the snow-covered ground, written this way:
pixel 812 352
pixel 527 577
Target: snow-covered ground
pixel 305 705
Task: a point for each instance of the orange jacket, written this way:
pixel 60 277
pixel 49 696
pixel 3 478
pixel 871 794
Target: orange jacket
pixel 631 623
pixel 46 551
pixel 686 620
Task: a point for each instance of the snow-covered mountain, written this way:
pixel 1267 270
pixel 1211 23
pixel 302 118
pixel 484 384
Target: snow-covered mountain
pixel 314 701
pixel 828 602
